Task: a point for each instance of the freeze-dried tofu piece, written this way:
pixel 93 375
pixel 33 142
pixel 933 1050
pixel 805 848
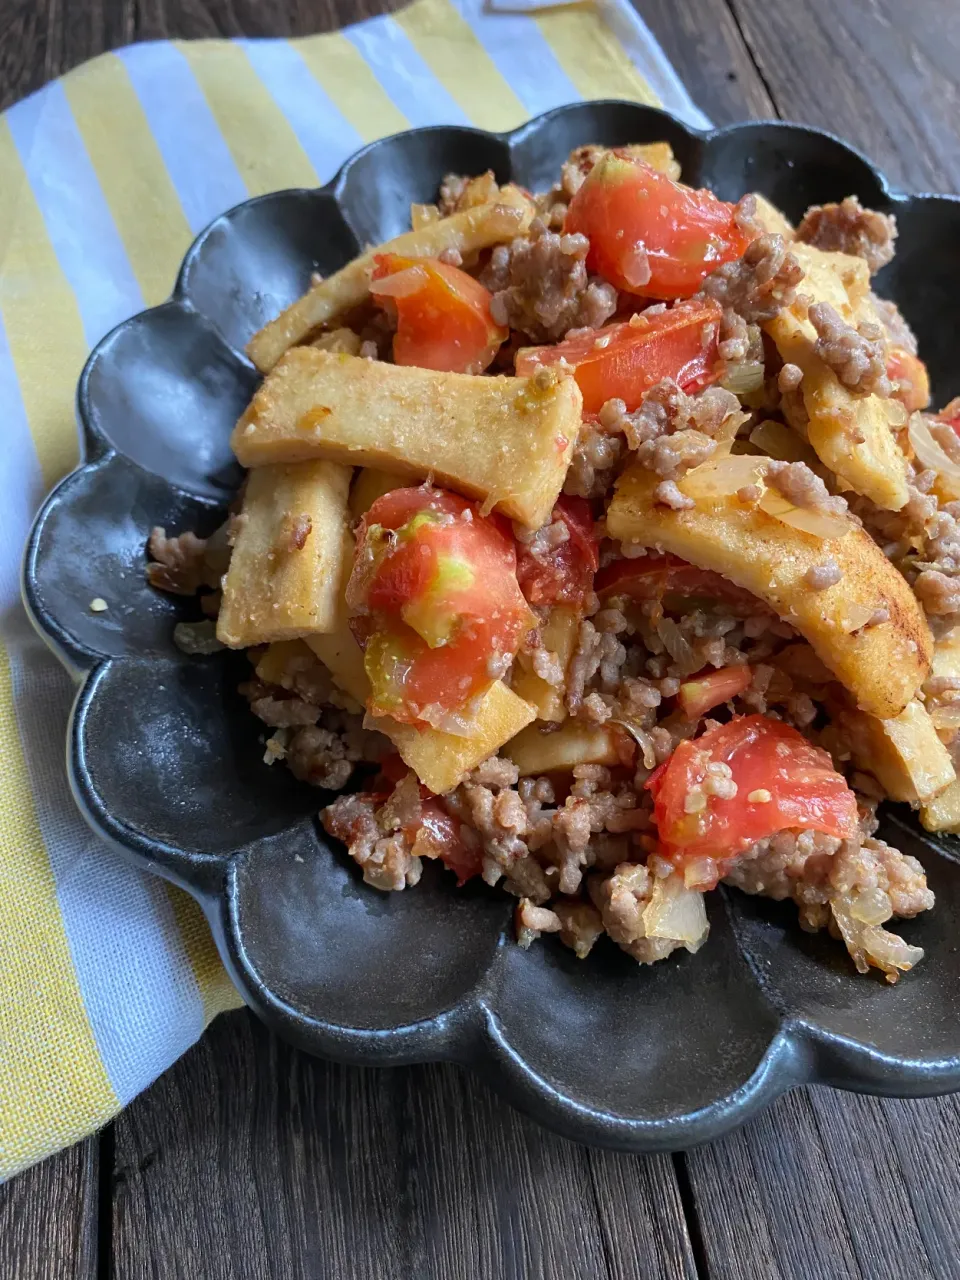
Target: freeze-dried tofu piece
pixel 903 753
pixel 369 484
pixel 883 664
pixel 285 569
pixel 442 760
pixel 337 648
pixel 942 813
pixel 467 233
pixel 536 751
pixel 505 440
pixel 558 635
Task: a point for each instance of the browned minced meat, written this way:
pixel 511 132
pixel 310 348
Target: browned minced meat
pixel 621 900
pixel 758 285
pixel 181 564
pixel 321 757
pixel 374 841
pixel 595 462
pixel 671 431
pixel 849 228
pixel 856 356
pixel 800 485
pixel 826 574
pixel 938 594
pixel 295 530
pixel 541 287
pixel 580 925
pixel 898 331
pixel 458 192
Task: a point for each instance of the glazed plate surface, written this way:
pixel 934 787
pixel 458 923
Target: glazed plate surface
pixel 166 760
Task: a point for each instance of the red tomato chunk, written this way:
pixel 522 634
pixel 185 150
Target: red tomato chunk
pixel 679 586
pixel 563 574
pixel 710 689
pixel 649 235
pixel 782 781
pixel 436 601
pixel 626 359
pixel 443 314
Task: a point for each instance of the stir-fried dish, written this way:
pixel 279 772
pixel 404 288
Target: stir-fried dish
pixel 602 544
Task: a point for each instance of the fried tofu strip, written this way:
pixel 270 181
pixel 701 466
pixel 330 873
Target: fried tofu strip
pixel 771 219
pixel 286 564
pixel 534 752
pixel 337 648
pixel 370 484
pixel 505 440
pixel 558 635
pixel 904 753
pixel 442 760
pixel 466 232
pixel 942 813
pixel 850 433
pixel 882 665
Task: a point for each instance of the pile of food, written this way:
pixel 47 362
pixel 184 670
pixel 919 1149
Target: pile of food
pixel 603 543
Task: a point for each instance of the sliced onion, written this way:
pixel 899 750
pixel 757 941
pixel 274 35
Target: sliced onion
pixel 401 284
pixel 856 616
pixel 722 477
pixel 422 215
pixel 643 740
pixel 946 717
pixel 678 647
pixel 779 441
pixel 676 912
pixel 743 377
pixel 197 637
pixel 870 944
pixel 934 456
pixel 817 523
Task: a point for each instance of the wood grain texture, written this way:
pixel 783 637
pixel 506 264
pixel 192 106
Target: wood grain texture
pixel 275 1164
pixel 48 1218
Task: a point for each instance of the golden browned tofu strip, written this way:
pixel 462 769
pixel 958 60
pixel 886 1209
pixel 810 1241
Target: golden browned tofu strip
pixel 850 433
pixel 442 760
pixel 904 753
pixel 558 634
pixel 466 232
pixel 882 665
pixel 285 569
pixel 505 440
pixel 559 751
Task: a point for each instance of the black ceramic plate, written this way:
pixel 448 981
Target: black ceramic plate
pixel 165 759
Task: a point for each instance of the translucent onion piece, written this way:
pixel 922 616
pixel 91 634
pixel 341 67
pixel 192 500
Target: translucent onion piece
pixel 722 477
pixel 744 377
pixel 779 441
pixel 642 739
pixel 869 944
pixel 934 456
pixel 946 717
pixel 817 523
pixel 857 616
pixel 197 637
pixel 896 413
pixel 727 433
pixel 676 912
pixel 401 284
pixel 421 215
pixel 678 647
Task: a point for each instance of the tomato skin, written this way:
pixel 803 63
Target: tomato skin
pixel 648 234
pixel 908 369
pixel 625 359
pixel 435 598
pixel 700 694
pixel 565 574
pixel 443 314
pixel 674 582
pixel 765 756
pixel 440 835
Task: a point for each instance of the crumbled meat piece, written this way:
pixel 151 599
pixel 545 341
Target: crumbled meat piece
pixel 669 495
pixel 938 593
pixel 541 287
pixel 530 921
pixel 856 356
pixel 547 665
pixel 495 772
pixel 821 576
pixel 758 285
pixel 622 900
pixel 899 332
pixel 282 713
pixel 320 757
pixel 450 257
pixel 373 838
pixel 580 925
pixel 849 228
pixel 796 482
pixel 458 193
pixel 595 461
pixel 789 377
pixel 180 564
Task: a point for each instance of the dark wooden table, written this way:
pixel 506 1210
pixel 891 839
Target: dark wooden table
pixel 249 1159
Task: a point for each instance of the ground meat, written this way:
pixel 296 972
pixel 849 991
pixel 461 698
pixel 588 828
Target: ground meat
pixel 458 192
pixel 385 858
pixel 321 757
pixel 621 900
pixel 857 356
pixel 281 713
pixel 294 532
pixel 758 285
pixel 541 287
pixel 789 378
pixel 669 495
pixel 530 921
pixel 938 594
pixel 595 461
pixel 899 332
pixel 821 576
pixel 796 482
pixel 580 925
pixel 182 564
pixel 849 228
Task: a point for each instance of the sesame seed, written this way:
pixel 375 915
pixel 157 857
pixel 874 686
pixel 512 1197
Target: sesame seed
pixel 760 796
pixel 98 605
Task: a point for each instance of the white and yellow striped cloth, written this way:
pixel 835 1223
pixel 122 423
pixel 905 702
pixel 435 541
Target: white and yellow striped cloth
pixel 106 975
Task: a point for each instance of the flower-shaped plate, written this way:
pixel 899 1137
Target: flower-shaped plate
pixel 166 760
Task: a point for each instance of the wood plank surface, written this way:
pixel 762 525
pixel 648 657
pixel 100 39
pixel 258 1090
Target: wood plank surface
pixel 275 1164
pixel 248 1159
pixel 48 1218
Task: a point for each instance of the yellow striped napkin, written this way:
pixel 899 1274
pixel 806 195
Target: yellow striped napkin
pixel 106 974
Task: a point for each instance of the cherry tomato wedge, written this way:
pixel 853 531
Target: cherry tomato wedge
pixel 626 359
pixel 436 602
pixel 443 314
pixel 908 373
pixel 710 689
pixel 783 781
pixel 680 586
pixel 648 234
pixel 564 573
